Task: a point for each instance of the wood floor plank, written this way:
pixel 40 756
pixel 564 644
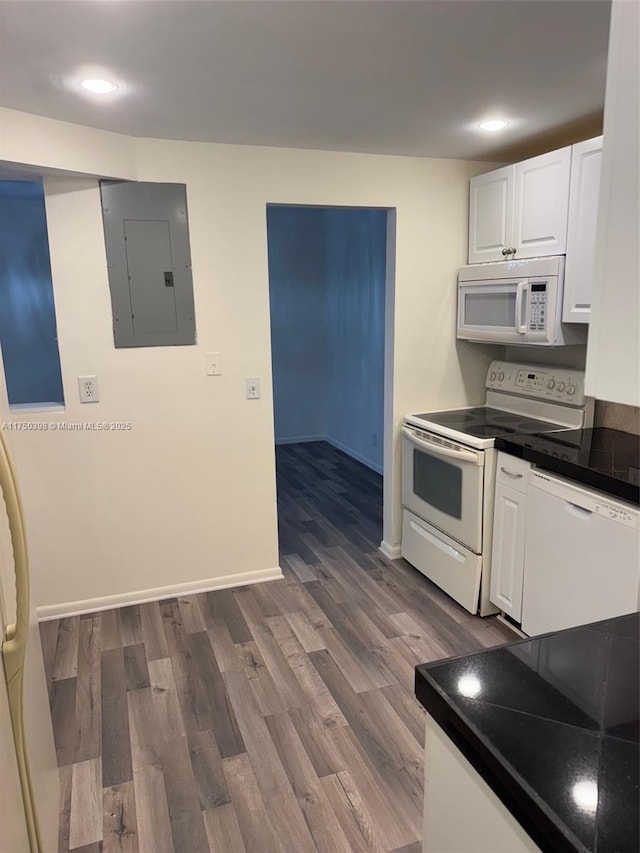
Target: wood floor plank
pixel 319 746
pixel 168 713
pixel 193 617
pixel 120 823
pixel 136 671
pixel 259 677
pixel 110 632
pixel 187 825
pixel 65 774
pixel 224 649
pixel 223 830
pixel 357 824
pixel 63 716
pixel 325 829
pixel 116 744
pixel 152 811
pixel 207 771
pixel 65 664
pixel 309 638
pixel 85 820
pixel 253 819
pixel 88 691
pixel 211 706
pixel 131 632
pixel 49 641
pixel 154 639
pixel 223 610
pixel 146 738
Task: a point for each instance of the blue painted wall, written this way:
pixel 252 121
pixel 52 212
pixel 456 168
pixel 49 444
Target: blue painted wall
pixel 327 269
pixel 27 312
pixel 355 274
pixel 297 296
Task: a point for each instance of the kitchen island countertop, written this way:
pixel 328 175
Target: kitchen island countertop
pixel 552 726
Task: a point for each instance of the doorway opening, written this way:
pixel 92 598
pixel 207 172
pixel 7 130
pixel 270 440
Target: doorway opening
pixel 330 309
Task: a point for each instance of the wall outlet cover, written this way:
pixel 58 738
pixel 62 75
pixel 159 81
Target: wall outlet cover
pixel 88 389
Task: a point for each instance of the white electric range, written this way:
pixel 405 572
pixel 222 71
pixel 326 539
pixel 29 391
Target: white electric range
pixel 449 467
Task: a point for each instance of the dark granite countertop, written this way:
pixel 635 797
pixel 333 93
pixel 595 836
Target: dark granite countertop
pixel 604 459
pixel 552 725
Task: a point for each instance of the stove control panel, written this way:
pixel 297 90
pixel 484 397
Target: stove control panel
pixel 542 381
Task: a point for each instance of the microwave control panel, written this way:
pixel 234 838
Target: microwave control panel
pixel 557 384
pixel 538 307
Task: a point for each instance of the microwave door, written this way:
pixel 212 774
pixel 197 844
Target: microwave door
pixel 493 311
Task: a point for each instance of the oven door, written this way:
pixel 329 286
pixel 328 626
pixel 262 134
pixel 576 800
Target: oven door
pixel 443 483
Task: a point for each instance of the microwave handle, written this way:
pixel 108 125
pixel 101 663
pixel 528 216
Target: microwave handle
pixel 522 288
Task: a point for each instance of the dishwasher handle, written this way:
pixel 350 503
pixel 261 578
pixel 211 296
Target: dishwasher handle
pixel 580 511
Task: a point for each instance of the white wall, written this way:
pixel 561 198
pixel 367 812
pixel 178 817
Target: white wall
pixel 298 303
pixel 188 495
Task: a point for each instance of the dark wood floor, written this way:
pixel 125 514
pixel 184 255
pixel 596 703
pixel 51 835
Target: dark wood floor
pixel 276 717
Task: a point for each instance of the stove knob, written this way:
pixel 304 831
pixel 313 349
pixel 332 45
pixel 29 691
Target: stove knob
pixel 571 389
pixel 492 375
pixel 561 386
pixel 500 376
pixel 551 384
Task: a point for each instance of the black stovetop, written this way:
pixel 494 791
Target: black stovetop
pixel 484 422
pixel 552 725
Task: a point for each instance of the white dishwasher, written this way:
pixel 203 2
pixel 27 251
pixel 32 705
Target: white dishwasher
pixel 582 559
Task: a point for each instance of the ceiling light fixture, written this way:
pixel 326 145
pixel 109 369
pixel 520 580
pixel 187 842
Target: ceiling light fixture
pixel 99 87
pixel 493 125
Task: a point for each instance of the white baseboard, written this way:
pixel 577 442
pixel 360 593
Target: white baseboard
pixel 108 602
pixel 391 552
pixel 354 455
pixel 301 439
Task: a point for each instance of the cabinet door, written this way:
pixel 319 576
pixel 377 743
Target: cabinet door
pixel 541 204
pixel 507 560
pixel 613 350
pixel 586 159
pixel 490 215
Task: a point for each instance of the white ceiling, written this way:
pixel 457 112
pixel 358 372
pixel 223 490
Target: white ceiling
pixel 389 76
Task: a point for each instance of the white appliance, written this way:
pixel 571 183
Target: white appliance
pixel 30 785
pixel 515 302
pixel 449 466
pixel 582 556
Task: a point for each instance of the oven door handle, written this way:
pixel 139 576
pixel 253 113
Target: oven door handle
pixel 440 450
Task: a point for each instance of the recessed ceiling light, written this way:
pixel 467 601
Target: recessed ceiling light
pixel 99 87
pixel 493 125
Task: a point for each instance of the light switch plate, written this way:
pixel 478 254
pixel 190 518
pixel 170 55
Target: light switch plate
pixel 253 388
pixel 88 389
pixel 214 364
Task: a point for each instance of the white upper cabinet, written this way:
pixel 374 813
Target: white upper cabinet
pixel 520 211
pixel 541 205
pixel 490 215
pixel 586 159
pixel 613 350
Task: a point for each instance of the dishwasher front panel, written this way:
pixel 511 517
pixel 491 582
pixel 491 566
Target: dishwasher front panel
pixel 582 556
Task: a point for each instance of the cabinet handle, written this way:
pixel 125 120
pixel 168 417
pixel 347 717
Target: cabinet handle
pixel 512 475
pixel 513 251
pixel 506 251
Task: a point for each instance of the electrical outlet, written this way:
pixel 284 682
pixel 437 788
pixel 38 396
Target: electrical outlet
pixel 214 364
pixel 88 388
pixel 253 389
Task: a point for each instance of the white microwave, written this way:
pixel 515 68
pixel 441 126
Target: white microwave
pixel 515 302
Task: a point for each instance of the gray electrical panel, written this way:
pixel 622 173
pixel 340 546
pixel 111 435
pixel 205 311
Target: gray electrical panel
pixel 146 232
